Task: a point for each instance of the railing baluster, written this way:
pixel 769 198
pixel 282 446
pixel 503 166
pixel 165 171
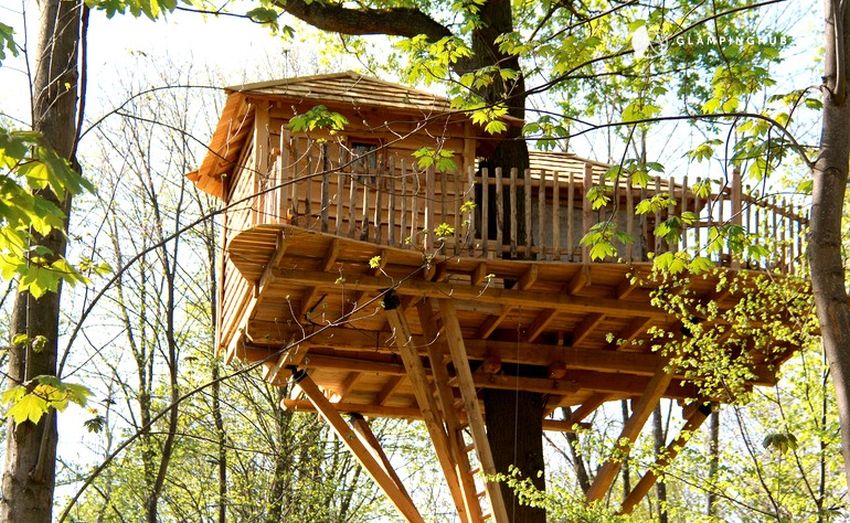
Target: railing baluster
pixel 285 168
pixel 458 201
pixel 556 216
pixel 340 185
pixel 352 196
pixel 630 219
pixel 541 216
pixel 571 240
pixel 685 197
pixel 471 225
pixel 698 209
pixel 414 212
pixel 659 245
pixel 308 182
pixel 485 211
pixel 586 210
pixel 392 197
pixel 404 200
pixel 380 178
pixel 326 185
pixel 671 189
pixel 527 212
pixel 500 213
pixel 429 209
pixel 513 211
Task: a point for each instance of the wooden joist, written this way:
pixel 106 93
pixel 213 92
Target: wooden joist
pixel 692 423
pixel 640 413
pixel 364 456
pixel 586 327
pixel 475 418
pixel 498 296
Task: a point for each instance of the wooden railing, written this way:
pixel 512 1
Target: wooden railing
pixel 487 212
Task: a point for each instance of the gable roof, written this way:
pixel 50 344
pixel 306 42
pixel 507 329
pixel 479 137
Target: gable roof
pixel 349 88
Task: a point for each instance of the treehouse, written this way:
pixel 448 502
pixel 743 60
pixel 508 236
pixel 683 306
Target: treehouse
pixel 371 256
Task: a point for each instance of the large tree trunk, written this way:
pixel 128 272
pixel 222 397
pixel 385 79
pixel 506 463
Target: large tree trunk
pixel 830 181
pixel 515 432
pixel 30 472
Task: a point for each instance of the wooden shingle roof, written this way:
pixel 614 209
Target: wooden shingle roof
pixel 349 88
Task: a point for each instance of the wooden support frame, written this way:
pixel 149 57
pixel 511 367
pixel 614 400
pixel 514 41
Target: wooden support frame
pixel 408 413
pixel 640 413
pixel 259 294
pixel 349 437
pixel 445 396
pixel 475 418
pixel 692 423
pixel 498 296
pixel 424 397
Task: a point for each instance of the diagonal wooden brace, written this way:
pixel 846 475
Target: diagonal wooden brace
pixel 350 438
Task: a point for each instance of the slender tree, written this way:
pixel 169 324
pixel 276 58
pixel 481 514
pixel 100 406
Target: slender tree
pixel 29 472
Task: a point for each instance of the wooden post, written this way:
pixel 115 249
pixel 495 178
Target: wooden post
pixel 640 413
pixel 697 417
pixel 571 238
pixel 403 222
pixel 475 418
pixel 350 439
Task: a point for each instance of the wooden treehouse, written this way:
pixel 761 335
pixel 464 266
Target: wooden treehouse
pixel 370 283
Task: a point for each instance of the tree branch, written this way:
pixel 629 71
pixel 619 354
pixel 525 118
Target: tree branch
pixel 395 21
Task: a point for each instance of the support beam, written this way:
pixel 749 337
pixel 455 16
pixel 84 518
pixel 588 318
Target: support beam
pixel 331 255
pixel 388 389
pixel 408 413
pixel 424 396
pixel 640 413
pixel 589 406
pixel 277 372
pixel 350 439
pixel 367 437
pixel 664 459
pixel 475 418
pixel 446 399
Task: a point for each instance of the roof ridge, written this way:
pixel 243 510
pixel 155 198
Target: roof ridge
pixel 353 75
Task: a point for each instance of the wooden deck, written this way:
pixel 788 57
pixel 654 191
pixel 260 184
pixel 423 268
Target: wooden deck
pixel 551 318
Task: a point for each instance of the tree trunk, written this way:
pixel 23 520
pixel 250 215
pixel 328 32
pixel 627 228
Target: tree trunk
pixel 713 462
pixel 515 432
pixel 660 448
pixel 830 182
pixel 29 473
pixel 626 472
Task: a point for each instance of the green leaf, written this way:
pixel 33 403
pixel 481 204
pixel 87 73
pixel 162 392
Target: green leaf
pixel 29 407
